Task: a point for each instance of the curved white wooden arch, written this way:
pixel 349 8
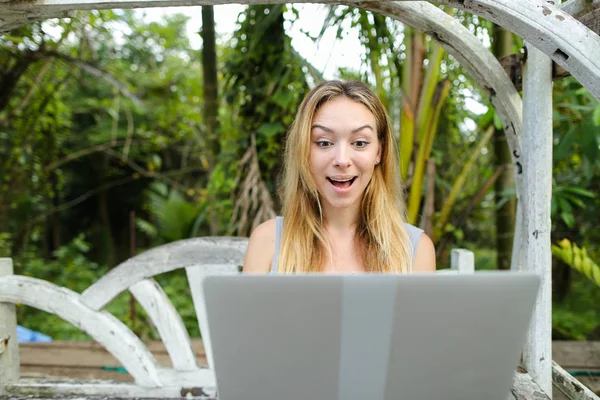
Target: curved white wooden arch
pixel 553 31
pixel 473 56
pixel 165 258
pixel 102 326
pixel 570 43
pixel 199 256
pixel 168 322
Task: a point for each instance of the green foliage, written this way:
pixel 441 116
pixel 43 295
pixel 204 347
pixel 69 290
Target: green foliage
pixel 565 198
pixel 264 83
pixel 173 215
pixel 575 317
pixel 578 258
pixel 99 125
pixel 69 268
pixel 5 244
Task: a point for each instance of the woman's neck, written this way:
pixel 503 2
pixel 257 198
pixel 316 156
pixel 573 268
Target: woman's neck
pixel 341 219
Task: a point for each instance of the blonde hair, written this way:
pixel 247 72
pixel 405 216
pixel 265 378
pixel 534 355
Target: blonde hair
pixel 381 235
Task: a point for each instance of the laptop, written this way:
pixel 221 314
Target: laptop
pixel 376 337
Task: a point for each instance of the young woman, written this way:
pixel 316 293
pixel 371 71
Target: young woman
pixel 343 211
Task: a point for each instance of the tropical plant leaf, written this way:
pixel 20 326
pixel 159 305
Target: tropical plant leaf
pixel 577 258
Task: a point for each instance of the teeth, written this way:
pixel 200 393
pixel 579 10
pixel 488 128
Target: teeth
pixel 347 180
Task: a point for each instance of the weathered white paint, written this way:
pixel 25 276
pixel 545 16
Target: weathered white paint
pixel 516 260
pixel 525 388
pixel 557 34
pixel 196 275
pixel 167 321
pixel 204 377
pixel 579 8
pixel 537 190
pixel 569 386
pixel 55 388
pixel 100 325
pixel 9 349
pixel 168 257
pixel 463 261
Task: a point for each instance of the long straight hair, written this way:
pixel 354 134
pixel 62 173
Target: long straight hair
pixel 380 234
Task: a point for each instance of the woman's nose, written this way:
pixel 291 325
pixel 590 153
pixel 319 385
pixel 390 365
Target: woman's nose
pixel 342 156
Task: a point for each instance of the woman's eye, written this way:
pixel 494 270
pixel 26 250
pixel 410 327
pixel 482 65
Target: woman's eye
pixel 361 144
pixel 323 143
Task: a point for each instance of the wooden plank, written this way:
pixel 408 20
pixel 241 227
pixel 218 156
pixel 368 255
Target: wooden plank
pixel 575 355
pixel 572 355
pixel 58 388
pixel 155 346
pixel 167 321
pixel 102 326
pixel 9 351
pixel 569 386
pixel 56 355
pixel 537 192
pixel 79 373
pixel 209 252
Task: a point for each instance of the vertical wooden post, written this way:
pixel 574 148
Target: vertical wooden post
pixel 9 348
pixel 516 262
pixel 463 261
pixel 537 193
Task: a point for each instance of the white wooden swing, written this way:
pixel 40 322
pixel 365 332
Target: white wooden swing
pixel 552 33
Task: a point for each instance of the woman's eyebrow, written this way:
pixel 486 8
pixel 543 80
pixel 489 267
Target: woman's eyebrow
pixel 360 128
pixel 322 127
pixel 367 126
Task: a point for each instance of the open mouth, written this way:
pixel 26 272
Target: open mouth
pixel 342 183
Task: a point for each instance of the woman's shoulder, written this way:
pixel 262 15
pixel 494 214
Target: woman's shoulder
pixel 423 249
pixel 261 247
pixel 265 230
pixel 413 232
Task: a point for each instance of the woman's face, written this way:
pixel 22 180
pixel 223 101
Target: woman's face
pixel 344 151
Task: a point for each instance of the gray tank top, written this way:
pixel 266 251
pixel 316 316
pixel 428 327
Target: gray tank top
pixel 414 234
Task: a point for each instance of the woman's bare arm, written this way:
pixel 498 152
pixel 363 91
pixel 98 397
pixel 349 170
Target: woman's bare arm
pixel 425 255
pixel 261 248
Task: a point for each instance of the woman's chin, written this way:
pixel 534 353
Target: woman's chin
pixel 340 204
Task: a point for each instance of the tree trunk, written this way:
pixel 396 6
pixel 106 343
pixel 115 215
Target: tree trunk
pixel 502 43
pixel 209 70
pixel 211 105
pixel 10 78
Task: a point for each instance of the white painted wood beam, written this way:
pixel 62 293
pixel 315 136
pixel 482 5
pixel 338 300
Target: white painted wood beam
pixel 9 348
pixel 209 252
pixel 579 8
pixel 537 193
pixel 554 32
pixel 168 322
pixel 569 386
pixel 28 388
pixel 462 261
pixel 102 326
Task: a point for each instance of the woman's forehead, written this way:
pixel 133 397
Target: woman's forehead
pixel 344 112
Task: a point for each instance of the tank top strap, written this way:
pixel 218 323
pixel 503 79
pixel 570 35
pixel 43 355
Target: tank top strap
pixel 278 230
